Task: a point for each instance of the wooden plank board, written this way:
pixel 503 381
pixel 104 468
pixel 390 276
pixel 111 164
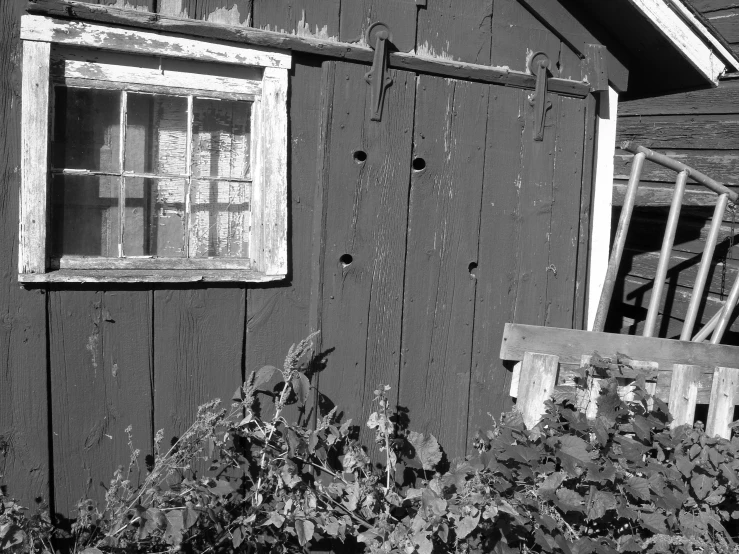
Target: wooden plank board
pixel 726 22
pixel 34 160
pixel 567 187
pixel 697 132
pixel 516 34
pixel 277 317
pixel 228 12
pixel 365 233
pixel 356 16
pixel 651 194
pixel 721 165
pixel 79 33
pixel 632 299
pixel 588 279
pixel 708 6
pixel 101 382
pixel 498 253
pixel 723 99
pixel 457 30
pixel 537 202
pixel 198 352
pixel 311 18
pixel 142 5
pixel 538 377
pixel 570 344
pixel 321 47
pixel 24 414
pixel 722 402
pixel 682 269
pixel 683 393
pixel 442 256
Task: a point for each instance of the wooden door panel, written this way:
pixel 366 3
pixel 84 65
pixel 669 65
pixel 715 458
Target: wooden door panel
pixel 367 164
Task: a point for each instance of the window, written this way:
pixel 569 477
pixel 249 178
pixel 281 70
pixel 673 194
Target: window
pixel 150 158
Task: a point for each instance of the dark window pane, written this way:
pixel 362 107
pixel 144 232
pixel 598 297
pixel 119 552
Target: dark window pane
pixel 220 219
pixel 156 134
pixel 84 215
pixel 86 129
pixel 221 132
pixel 154 223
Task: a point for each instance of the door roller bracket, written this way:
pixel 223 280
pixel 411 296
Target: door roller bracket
pixel 540 66
pixel 378 37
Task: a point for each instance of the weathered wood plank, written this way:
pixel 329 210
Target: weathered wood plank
pixel 365 232
pixel 108 37
pixel 681 270
pixel 324 48
pixel 588 199
pixel 723 99
pixel 629 309
pixel 198 352
pixel 707 6
pixel 726 22
pixel 516 34
pixel 279 316
pixel 442 256
pixel 647 228
pixel 681 132
pixel 653 194
pixel 34 160
pixel 570 344
pixel 142 5
pixel 721 165
pixel 228 12
pixel 24 414
pixel 457 30
pixel 722 402
pixel 146 276
pixel 310 18
pixel 399 15
pixel 536 204
pixel 536 385
pixel 498 254
pixel 683 393
pixel 101 382
pixel 567 187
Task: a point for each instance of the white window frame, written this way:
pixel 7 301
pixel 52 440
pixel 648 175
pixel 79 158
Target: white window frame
pixel 268 236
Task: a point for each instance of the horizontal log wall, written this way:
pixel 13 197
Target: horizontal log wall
pixel 701 129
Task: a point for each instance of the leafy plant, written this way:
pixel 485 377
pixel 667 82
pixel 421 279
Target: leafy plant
pixel 624 482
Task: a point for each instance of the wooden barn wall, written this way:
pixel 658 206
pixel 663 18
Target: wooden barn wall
pixel 409 273
pixel 701 129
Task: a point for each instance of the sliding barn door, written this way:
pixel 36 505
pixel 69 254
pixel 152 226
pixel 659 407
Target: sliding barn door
pixel 442 222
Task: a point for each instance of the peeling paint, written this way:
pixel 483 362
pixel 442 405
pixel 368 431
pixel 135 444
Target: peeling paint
pixel 92 345
pixel 227 16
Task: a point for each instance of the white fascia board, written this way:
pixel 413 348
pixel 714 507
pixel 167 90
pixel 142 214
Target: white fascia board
pixel 689 40
pixel 602 203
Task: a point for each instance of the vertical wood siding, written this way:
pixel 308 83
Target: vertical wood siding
pixel 441 257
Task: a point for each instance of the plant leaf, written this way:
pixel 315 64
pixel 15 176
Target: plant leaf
pixel 264 374
pixel 466 525
pixel 175 527
pixel 654 522
pixel 427 449
pixel 701 484
pixel 301 385
pixel 304 528
pixel 638 487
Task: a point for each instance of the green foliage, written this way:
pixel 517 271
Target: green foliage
pixel 624 482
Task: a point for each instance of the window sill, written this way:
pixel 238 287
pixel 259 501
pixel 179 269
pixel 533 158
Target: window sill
pixel 148 276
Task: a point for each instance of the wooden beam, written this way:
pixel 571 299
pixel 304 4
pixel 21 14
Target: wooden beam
pixel 536 385
pixel 570 344
pixel 81 11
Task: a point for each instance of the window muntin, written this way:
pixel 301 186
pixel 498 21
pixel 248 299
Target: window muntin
pixel 234 223
pixel 165 175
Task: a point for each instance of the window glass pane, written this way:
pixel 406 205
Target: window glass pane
pixel 154 223
pixel 221 132
pixel 220 219
pixel 84 215
pixel 86 129
pixel 156 134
